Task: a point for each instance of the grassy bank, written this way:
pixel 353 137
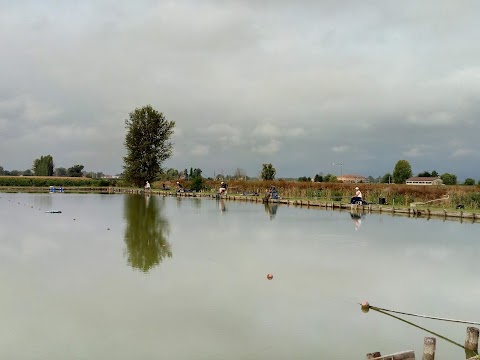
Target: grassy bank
pixel 400 195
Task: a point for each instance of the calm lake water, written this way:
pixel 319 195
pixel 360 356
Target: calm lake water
pixel 135 277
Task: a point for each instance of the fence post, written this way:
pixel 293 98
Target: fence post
pixel 429 345
pixel 471 340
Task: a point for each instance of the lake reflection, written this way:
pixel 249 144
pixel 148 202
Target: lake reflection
pixel 74 283
pixel 146 232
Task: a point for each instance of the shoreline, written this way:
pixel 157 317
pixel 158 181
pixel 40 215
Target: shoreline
pixel 423 212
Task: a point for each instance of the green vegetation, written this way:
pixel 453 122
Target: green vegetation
pixel 268 172
pixel 449 179
pixel 75 171
pixel 43 166
pixel 402 172
pixel 147 144
pixel 45 181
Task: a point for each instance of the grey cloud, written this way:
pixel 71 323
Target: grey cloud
pixel 298 84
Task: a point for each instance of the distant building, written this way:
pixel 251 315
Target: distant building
pixel 419 180
pixel 349 178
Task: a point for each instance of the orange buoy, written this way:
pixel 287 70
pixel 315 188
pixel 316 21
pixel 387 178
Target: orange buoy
pixel 269 276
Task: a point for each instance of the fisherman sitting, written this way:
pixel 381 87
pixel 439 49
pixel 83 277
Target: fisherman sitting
pixel 180 187
pixel 357 198
pixel 223 188
pixel 273 192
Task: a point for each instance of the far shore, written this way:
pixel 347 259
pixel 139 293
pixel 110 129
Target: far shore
pixel 415 209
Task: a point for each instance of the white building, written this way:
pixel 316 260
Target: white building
pixel 418 180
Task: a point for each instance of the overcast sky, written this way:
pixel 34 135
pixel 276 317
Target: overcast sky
pixel 299 84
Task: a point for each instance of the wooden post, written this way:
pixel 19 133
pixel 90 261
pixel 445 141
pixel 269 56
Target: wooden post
pixel 373 355
pixel 471 340
pixel 429 345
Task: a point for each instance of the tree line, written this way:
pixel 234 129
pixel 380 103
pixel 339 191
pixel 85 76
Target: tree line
pixel 148 145
pixel 44 166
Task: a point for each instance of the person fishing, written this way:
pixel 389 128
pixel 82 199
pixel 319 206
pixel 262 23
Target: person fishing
pixel 180 187
pixel 223 188
pixel 358 196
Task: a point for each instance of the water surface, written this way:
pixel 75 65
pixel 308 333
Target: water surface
pixel 134 277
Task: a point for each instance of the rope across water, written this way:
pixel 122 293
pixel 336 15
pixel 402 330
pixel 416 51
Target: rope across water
pixel 365 306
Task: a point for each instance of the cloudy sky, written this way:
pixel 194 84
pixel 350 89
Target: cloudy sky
pixel 299 84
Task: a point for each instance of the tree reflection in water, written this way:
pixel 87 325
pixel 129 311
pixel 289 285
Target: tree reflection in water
pixel 146 232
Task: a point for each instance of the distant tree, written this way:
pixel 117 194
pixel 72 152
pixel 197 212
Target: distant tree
pixel 268 172
pixel 330 178
pixel 43 166
pixel 449 179
pixel 147 143
pixel 171 174
pixel 2 171
pixel 371 179
pixel 240 174
pixel 402 172
pixel 434 173
pixel 75 171
pixel 387 178
pixel 196 173
pixel 424 174
pixel 318 178
pixel 14 173
pixel 304 178
pixel 469 181
pixel 61 171
pixel 27 172
pixel 185 174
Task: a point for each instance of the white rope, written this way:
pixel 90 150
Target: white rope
pixel 426 316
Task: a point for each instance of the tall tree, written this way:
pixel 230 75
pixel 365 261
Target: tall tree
pixel 147 143
pixel 2 171
pixel 268 172
pixel 75 171
pixel 43 166
pixel 424 174
pixel 402 172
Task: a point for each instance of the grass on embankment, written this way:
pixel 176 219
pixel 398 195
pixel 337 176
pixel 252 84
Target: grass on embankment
pixel 398 194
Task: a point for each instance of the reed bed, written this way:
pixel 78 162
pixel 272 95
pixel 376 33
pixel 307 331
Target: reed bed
pixel 397 194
